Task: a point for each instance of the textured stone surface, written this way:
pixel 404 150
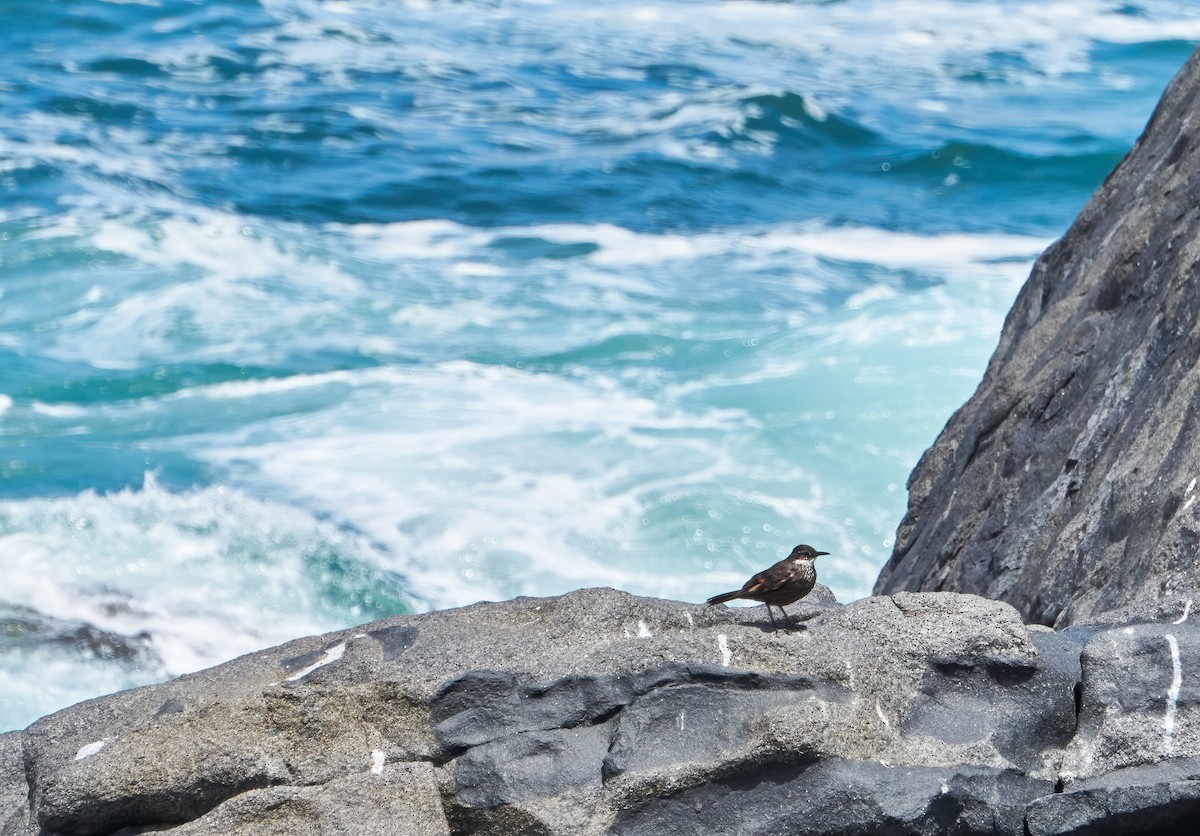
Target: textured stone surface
pixel 1069 484
pixel 1140 699
pixel 594 711
pixel 14 789
pixel 401 800
pixel 1160 799
pixel 844 798
pixel 601 712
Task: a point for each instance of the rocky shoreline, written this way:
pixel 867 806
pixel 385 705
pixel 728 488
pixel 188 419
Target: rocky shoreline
pixel 602 712
pixel 1064 492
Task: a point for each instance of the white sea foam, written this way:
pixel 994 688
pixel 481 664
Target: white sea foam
pixel 522 474
pixel 523 484
pixel 955 252
pixel 223 289
pixel 480 480
pixel 58 410
pixel 205 575
pixel 485 483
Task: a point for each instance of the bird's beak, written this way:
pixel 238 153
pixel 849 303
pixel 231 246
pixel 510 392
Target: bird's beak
pixel 821 553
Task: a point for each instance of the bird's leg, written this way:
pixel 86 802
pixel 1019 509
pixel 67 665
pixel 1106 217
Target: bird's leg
pixel 783 612
pixel 771 616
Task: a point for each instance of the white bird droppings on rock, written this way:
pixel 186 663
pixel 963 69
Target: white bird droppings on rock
pixel 1172 697
pixel 90 749
pixel 723 646
pixel 331 655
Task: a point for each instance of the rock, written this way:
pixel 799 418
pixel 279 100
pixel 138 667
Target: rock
pixel 1172 609
pixel 841 797
pixel 1156 799
pixel 14 788
pixel 396 800
pixel 602 712
pixel 1069 484
pixel 597 711
pixel 1139 701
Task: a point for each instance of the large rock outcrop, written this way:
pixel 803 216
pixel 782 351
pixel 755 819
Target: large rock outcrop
pixel 601 712
pixel 1069 483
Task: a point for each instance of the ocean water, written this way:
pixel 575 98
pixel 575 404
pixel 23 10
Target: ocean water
pixel 315 312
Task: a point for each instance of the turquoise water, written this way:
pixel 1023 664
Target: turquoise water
pixel 314 312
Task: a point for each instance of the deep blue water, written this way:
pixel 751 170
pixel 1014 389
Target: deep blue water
pixel 313 312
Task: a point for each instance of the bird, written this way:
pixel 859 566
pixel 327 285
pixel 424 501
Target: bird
pixel 786 582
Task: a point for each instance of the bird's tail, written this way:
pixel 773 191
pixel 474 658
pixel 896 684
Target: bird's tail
pixel 726 596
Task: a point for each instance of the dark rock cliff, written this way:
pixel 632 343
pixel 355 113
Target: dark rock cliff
pixel 1068 484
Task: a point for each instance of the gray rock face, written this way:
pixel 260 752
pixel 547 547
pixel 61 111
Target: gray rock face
pixel 14 788
pixel 1140 699
pixel 1156 799
pixel 600 712
pixel 1069 483
pixel 842 797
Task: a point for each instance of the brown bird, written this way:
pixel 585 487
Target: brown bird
pixel 786 582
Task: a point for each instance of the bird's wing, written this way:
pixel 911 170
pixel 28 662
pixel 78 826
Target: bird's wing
pixel 763 582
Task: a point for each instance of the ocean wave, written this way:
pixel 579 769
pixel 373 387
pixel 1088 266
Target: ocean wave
pixel 537 458
pixel 361 113
pixel 165 582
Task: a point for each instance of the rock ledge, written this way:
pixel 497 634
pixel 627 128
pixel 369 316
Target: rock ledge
pixel 602 712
